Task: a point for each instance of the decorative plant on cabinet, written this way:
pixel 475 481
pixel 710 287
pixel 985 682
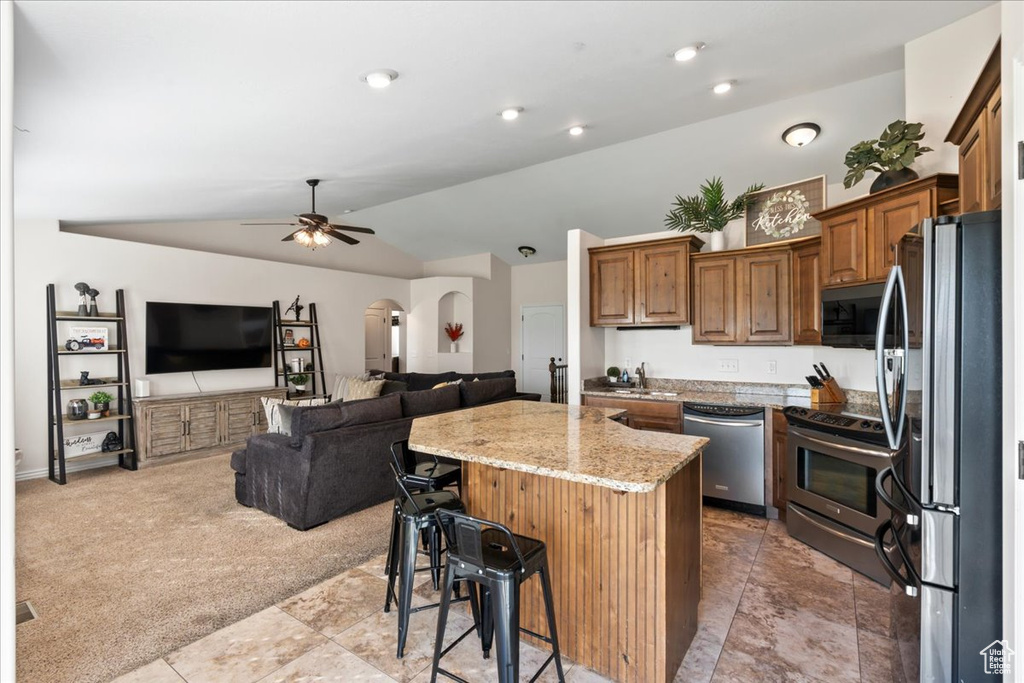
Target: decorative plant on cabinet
pixel 890 156
pixel 708 211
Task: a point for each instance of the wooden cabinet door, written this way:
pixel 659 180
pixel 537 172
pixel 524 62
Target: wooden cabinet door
pixel 714 300
pixel 201 425
pixel 973 165
pixel 239 419
pixel 655 424
pixel 662 285
pixel 912 262
pixel 807 294
pixel 844 248
pixel 765 306
pixel 779 457
pixel 165 430
pixel 993 151
pixel 612 288
pixel 888 223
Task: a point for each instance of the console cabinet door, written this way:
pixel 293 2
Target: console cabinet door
pixel 714 301
pixel 165 430
pixel 844 248
pixel 888 223
pixel 663 288
pixel 239 419
pixel 807 294
pixel 612 288
pixel 765 306
pixel 201 425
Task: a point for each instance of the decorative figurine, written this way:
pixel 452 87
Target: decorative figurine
pixel 303 343
pixel 94 311
pixel 86 382
pixel 297 307
pixel 82 288
pixel 112 442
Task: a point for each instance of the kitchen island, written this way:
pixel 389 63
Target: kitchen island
pixel 619 510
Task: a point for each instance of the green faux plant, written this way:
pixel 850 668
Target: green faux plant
pixel 895 149
pixel 99 397
pixel 614 371
pixel 708 211
pixel 299 380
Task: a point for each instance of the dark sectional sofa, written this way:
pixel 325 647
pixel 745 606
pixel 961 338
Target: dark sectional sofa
pixel 336 461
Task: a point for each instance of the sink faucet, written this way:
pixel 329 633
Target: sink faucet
pixel 641 376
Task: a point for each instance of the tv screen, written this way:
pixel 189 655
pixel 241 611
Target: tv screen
pixel 191 337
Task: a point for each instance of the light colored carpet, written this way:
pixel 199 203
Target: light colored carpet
pixel 125 567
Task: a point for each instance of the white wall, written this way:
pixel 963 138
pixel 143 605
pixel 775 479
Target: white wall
pixel 534 284
pixel 7 595
pixel 584 344
pixel 156 273
pixel 940 70
pixel 492 337
pixel 425 324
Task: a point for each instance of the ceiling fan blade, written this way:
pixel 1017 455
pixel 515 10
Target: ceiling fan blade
pixel 341 236
pixel 268 223
pixel 291 237
pixel 352 228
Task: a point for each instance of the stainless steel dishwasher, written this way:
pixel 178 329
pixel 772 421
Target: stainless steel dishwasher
pixel 734 459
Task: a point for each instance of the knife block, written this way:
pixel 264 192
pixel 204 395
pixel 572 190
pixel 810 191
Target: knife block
pixel 830 393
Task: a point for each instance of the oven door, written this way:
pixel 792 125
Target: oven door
pixel 835 477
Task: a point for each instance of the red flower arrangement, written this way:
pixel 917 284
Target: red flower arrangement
pixel 454 331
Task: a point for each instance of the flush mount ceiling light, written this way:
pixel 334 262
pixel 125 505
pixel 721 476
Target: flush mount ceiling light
pixel 801 134
pixel 576 130
pixel 527 252
pixel 381 78
pixel 685 54
pixel 511 114
pixel 723 87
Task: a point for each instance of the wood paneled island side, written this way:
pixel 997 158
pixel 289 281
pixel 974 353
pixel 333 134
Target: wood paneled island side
pixel 619 510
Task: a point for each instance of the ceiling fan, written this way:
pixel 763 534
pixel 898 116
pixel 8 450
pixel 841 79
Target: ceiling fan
pixel 314 228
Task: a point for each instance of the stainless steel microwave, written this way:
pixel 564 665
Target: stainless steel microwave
pixel 849 316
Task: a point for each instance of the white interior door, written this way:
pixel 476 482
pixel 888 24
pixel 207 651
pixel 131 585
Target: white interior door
pixel 543 337
pixel 378 338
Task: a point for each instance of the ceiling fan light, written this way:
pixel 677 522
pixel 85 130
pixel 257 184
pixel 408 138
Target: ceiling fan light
pixel 801 134
pixel 321 238
pixel 304 238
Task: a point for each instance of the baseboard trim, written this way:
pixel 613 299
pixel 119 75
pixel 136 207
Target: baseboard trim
pixel 22 475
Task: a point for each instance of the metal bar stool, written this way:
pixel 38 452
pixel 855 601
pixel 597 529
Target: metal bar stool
pixel 489 555
pixel 420 476
pixel 415 514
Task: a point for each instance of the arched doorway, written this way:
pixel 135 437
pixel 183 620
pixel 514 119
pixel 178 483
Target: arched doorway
pixel 385 332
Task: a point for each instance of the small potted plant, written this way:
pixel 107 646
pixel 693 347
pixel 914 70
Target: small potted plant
pixel 101 402
pixel 454 332
pixel 299 382
pixel 613 374
pixel 708 211
pixel 890 156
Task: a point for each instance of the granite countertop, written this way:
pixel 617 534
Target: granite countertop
pixel 574 443
pixel 778 401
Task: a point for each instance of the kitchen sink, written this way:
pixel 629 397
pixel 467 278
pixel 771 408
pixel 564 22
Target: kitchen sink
pixel 644 392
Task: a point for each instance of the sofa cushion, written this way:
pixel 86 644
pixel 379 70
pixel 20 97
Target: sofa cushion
pixel 339 414
pixel 429 401
pixel 392 386
pixel 486 390
pixel 489 375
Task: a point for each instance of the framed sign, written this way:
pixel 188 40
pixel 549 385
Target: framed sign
pixel 784 212
pixel 83 444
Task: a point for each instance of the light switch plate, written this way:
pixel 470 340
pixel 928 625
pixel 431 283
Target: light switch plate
pixel 772 367
pixel 728 365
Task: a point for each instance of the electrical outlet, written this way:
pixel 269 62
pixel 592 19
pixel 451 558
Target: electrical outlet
pixel 629 365
pixel 728 365
pixel 772 367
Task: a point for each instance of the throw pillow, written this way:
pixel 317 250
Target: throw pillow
pixel 486 391
pixel 393 387
pixel 272 411
pixel 445 384
pixel 341 381
pixel 362 388
pixel 429 401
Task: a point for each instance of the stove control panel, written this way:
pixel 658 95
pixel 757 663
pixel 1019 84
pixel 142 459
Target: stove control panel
pixel 838 423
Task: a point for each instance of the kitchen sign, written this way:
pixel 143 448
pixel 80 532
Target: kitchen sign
pixel 784 212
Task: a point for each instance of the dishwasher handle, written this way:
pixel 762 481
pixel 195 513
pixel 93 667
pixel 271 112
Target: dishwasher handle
pixel 724 423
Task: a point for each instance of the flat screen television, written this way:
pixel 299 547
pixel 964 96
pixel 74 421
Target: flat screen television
pixel 192 337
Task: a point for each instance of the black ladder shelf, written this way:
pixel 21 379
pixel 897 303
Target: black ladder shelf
pixel 122 416
pixel 282 369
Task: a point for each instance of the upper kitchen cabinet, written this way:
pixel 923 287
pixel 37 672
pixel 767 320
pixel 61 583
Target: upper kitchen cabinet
pixel 977 131
pixel 860 238
pixel 807 293
pixel 642 284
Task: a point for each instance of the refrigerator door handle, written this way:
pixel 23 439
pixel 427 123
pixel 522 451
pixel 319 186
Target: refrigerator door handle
pixel 894 286
pixel 909 584
pixel 888 473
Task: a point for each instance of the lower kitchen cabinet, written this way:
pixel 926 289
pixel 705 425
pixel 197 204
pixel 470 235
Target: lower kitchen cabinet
pixel 779 433
pixel 657 416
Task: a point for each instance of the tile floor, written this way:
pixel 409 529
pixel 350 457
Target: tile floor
pixel 772 610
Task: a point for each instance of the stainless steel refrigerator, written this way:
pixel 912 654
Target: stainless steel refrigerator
pixel 942 544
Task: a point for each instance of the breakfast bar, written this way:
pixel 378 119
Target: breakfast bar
pixel 619 510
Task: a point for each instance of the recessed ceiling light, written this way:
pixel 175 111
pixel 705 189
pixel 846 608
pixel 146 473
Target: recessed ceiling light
pixel 801 134
pixel 511 114
pixel 576 130
pixel 347 211
pixel 685 54
pixel 381 78
pixel 723 87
